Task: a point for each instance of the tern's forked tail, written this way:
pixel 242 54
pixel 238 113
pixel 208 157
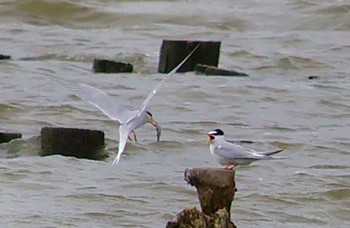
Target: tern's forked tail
pixel 271 152
pixel 120 151
pixel 123 137
pixel 116 160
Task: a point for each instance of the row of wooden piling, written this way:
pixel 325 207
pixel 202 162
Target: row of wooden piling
pixel 204 61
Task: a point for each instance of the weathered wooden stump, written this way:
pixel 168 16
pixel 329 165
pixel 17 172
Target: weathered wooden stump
pixel 216 189
pixel 212 71
pixel 79 143
pixel 3 57
pixel 8 136
pixel 109 66
pixel 172 52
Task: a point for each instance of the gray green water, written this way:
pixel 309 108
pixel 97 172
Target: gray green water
pixel 279 43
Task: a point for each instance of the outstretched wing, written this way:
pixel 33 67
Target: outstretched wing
pixel 157 87
pixel 123 137
pixel 96 97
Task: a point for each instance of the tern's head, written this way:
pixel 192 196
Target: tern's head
pixel 215 135
pixel 150 119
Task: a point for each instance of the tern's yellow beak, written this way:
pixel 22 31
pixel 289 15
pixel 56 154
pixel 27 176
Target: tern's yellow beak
pixel 153 122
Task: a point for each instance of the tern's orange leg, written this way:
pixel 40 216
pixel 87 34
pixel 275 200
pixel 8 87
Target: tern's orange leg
pixel 135 138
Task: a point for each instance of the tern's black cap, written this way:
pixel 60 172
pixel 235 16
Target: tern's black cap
pixel 217 132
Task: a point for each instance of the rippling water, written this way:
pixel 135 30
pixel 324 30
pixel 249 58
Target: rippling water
pixel 279 43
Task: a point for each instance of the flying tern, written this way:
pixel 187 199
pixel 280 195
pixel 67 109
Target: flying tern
pixel 129 120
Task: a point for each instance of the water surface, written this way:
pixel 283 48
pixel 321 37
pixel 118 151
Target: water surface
pixel 278 43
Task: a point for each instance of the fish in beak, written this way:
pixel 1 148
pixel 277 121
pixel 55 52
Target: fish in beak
pixel 158 128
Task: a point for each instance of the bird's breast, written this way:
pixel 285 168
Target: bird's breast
pixel 221 160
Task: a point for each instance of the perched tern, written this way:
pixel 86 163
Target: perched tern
pixel 129 120
pixel 231 154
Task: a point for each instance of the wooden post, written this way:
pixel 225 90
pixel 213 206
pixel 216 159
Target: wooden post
pixel 216 189
pixel 109 66
pixel 80 143
pixel 172 52
pixel 212 71
pixel 3 57
pixel 8 136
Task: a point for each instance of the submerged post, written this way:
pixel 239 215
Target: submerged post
pixel 216 189
pixel 6 136
pixel 79 143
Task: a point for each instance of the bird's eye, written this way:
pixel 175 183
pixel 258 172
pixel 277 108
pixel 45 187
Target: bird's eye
pixel 211 137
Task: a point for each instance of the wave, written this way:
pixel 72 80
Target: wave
pixel 326 17
pixel 336 10
pixel 42 12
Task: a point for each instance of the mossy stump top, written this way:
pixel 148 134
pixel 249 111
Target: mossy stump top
pixel 193 218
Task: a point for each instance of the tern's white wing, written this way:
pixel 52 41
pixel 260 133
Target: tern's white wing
pixel 123 137
pixel 156 88
pixel 96 97
pixel 233 151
